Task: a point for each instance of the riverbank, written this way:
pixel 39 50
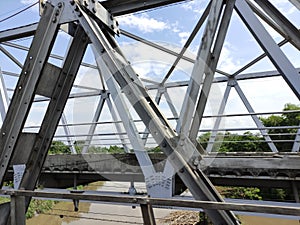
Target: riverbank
pixel 95 213
pixel 63 212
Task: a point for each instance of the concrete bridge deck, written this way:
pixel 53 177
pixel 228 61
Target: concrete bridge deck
pixel 235 169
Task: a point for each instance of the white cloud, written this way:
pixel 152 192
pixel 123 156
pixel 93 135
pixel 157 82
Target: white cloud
pixel 183 37
pixel 152 63
pixel 228 62
pixel 196 6
pixel 175 27
pixel 143 23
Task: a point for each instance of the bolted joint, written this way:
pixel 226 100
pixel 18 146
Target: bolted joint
pixel 72 2
pixel 59 5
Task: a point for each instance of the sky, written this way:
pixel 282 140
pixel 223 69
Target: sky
pixel 168 26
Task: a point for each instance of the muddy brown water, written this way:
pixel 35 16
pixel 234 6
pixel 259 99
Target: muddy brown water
pixel 91 213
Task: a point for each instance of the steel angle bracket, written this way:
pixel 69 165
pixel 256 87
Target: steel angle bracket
pixel 100 14
pixel 66 15
pixel 93 8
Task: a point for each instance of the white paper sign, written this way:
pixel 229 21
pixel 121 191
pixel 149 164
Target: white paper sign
pixel 18 174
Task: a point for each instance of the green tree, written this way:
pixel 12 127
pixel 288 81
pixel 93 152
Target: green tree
pixel 58 147
pixel 252 193
pixel 283 137
pixel 79 146
pixel 229 142
pixel 115 149
pixel 249 142
pixel 112 149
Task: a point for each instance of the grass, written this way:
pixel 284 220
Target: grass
pixel 62 211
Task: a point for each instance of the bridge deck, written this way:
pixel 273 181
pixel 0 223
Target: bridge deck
pixel 240 169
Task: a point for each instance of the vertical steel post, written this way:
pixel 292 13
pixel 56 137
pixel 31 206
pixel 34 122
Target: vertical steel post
pixel 296 144
pixel 18 210
pixel 295 191
pixel 64 122
pixel 148 215
pixel 93 126
pixel 4 101
pixel 214 133
pixel 118 126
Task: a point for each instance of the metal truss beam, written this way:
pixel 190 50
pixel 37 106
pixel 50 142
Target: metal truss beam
pixel 200 67
pixel 296 145
pixel 164 49
pixel 118 126
pixel 210 71
pixel 99 24
pixel 156 123
pixel 4 100
pixel 213 136
pixel 148 215
pixel 19 32
pixel 19 64
pixel 24 94
pixel 54 56
pixel 255 118
pixel 152 178
pixel 122 7
pixel 65 126
pixel 93 126
pixel 275 26
pixel 290 31
pixel 55 109
pixel 188 42
pixel 278 58
pixel 296 3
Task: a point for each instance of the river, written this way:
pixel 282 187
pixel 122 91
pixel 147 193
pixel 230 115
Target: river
pixel 95 213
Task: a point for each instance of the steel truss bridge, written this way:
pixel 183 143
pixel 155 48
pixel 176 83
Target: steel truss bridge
pixel 139 119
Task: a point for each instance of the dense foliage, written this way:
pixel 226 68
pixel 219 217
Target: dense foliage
pixel 58 147
pixel 286 119
pixel 283 137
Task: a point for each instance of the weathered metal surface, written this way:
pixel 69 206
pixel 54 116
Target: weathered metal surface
pixel 229 170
